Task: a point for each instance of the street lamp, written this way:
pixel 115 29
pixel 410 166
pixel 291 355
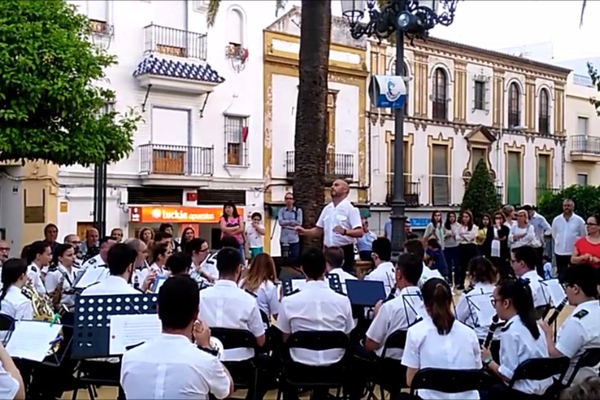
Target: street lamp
pixel 413 19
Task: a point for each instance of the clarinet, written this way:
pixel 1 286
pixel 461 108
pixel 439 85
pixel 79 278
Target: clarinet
pixel 557 311
pixel 490 336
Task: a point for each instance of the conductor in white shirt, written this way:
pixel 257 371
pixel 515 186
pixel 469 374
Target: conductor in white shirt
pixel 339 223
pixel 189 371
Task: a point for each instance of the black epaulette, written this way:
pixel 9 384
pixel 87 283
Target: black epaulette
pixel 34 268
pixel 251 293
pixel 506 327
pixel 52 268
pixel 469 289
pixel 581 313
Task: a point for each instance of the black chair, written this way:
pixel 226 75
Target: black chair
pixel 95 373
pixel 590 358
pixel 450 380
pixel 244 373
pixel 391 374
pixel 297 375
pixel 537 369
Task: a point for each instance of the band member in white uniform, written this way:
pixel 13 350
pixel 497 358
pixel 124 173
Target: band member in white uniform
pixel 440 341
pixel 11 383
pixel 339 223
pixel 416 247
pixel 198 249
pixel 523 260
pixel 521 339
pixel 160 255
pixel 581 330
pixel 62 272
pixel 100 260
pixel 384 271
pixel 259 279
pixel 120 258
pixel 334 257
pixel 39 256
pixel 191 371
pixel 12 301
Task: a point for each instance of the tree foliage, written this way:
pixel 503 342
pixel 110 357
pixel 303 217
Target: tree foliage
pixel 50 106
pixel 586 199
pixel 480 195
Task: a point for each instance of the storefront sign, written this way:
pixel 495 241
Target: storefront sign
pixel 198 215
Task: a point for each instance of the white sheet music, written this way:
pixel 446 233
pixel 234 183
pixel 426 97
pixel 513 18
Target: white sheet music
pixel 482 309
pixel 555 291
pixel 91 276
pixel 298 284
pixel 127 330
pixel 31 340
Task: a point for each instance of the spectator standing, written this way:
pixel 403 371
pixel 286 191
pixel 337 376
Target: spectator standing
pixel 566 229
pixel 289 218
pixel 542 229
pixel 50 236
pixel 232 224
pixel 90 248
pixel 587 249
pixel 467 232
pixel 451 253
pixel 435 228
pixel 365 243
pixel 117 234
pixel 186 236
pixel 168 228
pixel 255 233
pixel 522 233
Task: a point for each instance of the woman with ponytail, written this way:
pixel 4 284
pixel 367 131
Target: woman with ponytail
pixel 12 302
pixel 440 341
pixel 521 339
pixel 63 270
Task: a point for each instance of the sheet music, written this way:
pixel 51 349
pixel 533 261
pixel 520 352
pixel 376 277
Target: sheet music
pixel 555 291
pixel 91 276
pixel 127 330
pixel 481 309
pixel 31 340
pixel 298 284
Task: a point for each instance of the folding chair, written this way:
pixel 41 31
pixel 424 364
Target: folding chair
pixel 590 358
pixel 537 369
pixel 450 380
pixel 391 374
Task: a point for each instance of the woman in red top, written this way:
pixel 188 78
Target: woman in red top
pixel 232 224
pixel 587 249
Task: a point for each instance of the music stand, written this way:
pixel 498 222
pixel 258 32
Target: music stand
pixel 92 320
pixel 476 310
pixel 365 293
pixel 333 279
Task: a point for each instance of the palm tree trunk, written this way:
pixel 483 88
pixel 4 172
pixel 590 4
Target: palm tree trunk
pixel 309 142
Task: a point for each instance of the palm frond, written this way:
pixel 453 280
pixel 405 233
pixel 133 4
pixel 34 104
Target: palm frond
pixel 582 13
pixel 279 5
pixel 212 11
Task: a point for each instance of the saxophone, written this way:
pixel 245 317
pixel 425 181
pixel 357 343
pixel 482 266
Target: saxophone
pixel 42 310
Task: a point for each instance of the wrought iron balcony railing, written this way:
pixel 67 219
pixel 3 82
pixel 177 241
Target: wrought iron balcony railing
pixel 175 42
pixel 412 190
pixel 337 165
pixel 164 159
pixel 584 144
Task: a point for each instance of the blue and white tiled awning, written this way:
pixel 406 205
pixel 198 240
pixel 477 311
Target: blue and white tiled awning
pixel 196 71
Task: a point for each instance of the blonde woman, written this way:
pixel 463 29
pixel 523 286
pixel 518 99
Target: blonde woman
pixel 522 233
pixel 259 279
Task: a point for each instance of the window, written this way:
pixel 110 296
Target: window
pixel 514 178
pixel 440 179
pixel 170 134
pixel 236 148
pixel 98 15
pixel 514 106
pixel 544 117
pixel 582 125
pixel 235 30
pixel 440 95
pixel 477 153
pixel 582 179
pixel 479 95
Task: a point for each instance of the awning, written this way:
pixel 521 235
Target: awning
pixel 188 69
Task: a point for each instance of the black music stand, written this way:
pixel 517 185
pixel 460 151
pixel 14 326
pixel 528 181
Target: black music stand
pixel 333 279
pixel 365 293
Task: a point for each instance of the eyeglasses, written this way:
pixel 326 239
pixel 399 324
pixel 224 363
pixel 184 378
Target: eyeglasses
pixel 203 250
pixel 591 224
pixel 289 198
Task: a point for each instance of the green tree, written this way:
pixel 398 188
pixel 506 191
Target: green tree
pixel 480 195
pixel 586 199
pixel 50 106
pixel 309 138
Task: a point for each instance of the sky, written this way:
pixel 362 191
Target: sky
pixel 495 25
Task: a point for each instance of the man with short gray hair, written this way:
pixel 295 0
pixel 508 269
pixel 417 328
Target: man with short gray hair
pixel 566 229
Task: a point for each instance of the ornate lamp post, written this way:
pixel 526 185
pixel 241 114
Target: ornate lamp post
pixel 413 19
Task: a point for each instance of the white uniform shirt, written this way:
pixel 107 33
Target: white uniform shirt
pixel 94 262
pixel 267 297
pixel 579 332
pixel 187 372
pixel 394 315
pixel 15 305
pixel 9 386
pixel 565 233
pixel 34 275
pixel 345 215
pixel 427 274
pixel 343 275
pixel 386 273
pixel 528 240
pixel 539 290
pixel 62 273
pixel 143 273
pixel 315 308
pixel 517 346
pixel 469 313
pixel 426 348
pixel 210 266
pixel 111 285
pixel 225 305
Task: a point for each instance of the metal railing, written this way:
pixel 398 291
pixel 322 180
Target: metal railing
pixel 514 119
pixel 337 165
pixel 544 124
pixel 164 159
pixel 542 190
pixel 585 144
pixel 412 190
pixel 175 42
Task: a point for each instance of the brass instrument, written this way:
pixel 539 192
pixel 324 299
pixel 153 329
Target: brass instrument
pixel 42 310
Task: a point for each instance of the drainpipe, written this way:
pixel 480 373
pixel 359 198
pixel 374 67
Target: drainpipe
pixel 562 165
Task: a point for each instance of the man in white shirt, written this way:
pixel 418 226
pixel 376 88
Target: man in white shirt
pixel 381 252
pixel 415 246
pixel 334 257
pixel 566 229
pixel 120 258
pixel 542 230
pixel 188 371
pixel 101 260
pixel 339 223
pixel 522 260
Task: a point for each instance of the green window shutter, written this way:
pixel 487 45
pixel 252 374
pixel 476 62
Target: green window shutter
pixel 514 178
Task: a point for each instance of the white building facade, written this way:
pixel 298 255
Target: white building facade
pixel 198 90
pixel 465 104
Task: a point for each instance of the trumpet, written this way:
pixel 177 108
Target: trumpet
pixel 217 346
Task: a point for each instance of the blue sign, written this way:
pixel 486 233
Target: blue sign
pixel 387 91
pixel 419 222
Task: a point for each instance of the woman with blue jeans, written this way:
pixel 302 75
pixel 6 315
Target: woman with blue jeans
pixel 451 251
pixel 232 225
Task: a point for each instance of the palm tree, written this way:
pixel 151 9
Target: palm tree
pixel 582 12
pixel 311 110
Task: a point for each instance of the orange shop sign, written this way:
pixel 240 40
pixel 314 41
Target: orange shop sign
pixel 198 215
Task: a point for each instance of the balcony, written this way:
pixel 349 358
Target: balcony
pixel 412 191
pixel 167 162
pixel 337 166
pixel 174 42
pixel 585 148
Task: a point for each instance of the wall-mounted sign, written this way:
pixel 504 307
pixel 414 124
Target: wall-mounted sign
pixel 174 214
pixel 387 91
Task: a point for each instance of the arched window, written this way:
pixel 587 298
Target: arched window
pixel 514 106
pixel 544 112
pixel 235 27
pixel 407 81
pixel 440 94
